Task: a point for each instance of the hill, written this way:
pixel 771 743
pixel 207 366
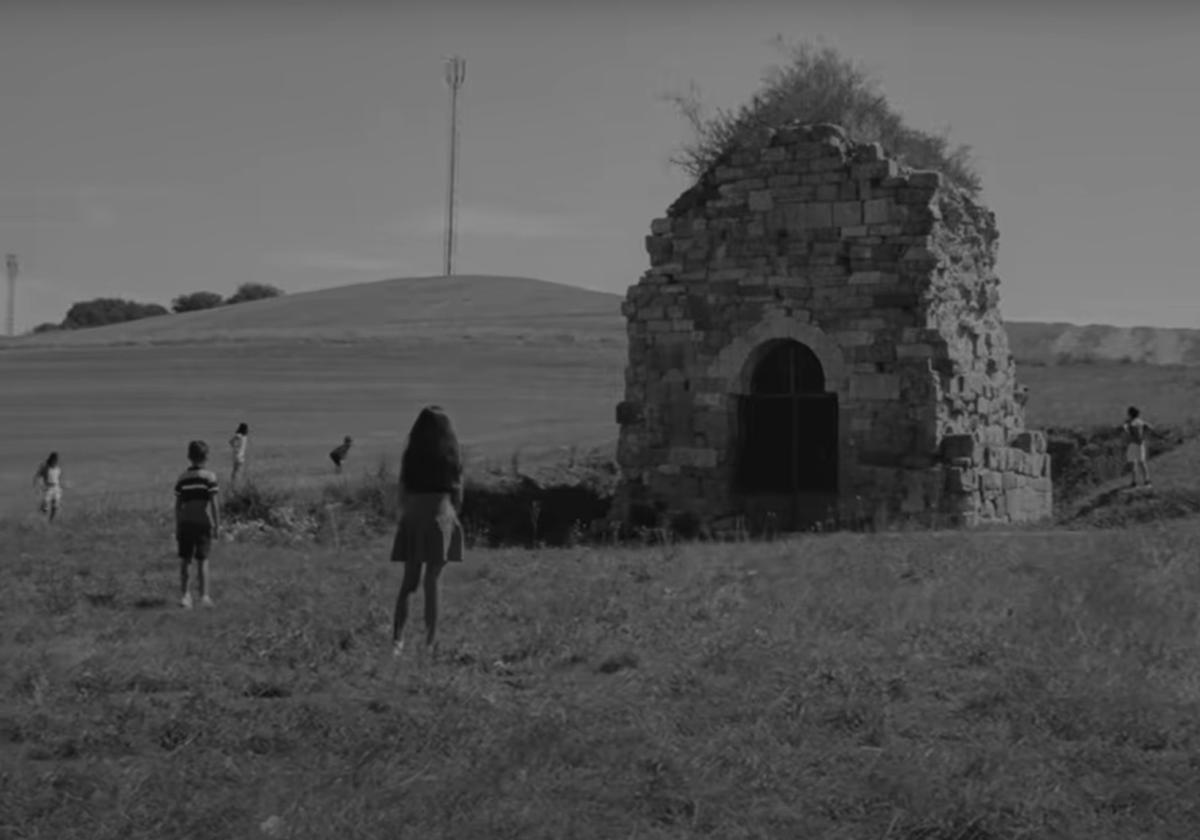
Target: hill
pixel 415 307
pixel 524 308
pixel 1059 343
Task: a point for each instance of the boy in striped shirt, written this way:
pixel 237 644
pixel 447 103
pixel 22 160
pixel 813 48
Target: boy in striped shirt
pixel 197 520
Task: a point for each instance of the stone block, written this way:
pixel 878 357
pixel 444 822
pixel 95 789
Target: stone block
pixel 876 386
pixel 816 214
pixel 870 171
pixel 629 413
pixel 872 278
pixel 828 164
pixel 961 480
pixel 761 201
pixel 854 338
pixel 692 457
pixel 961 446
pixel 925 178
pixel 660 227
pixel 847 214
pixel 878 211
pixel 914 351
pixel 1030 441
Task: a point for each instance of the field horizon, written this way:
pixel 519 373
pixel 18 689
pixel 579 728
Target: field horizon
pixel 525 308
pixel 527 369
pixel 914 685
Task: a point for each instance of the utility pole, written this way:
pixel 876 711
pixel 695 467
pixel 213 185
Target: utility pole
pixel 13 267
pixel 456 71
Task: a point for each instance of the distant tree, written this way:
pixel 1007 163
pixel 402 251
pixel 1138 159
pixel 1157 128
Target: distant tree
pixel 46 327
pixel 253 291
pixel 816 85
pixel 101 311
pixel 195 301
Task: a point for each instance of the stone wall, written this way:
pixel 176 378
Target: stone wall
pixel 887 275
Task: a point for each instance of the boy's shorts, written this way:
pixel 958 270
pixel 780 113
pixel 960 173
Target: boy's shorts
pixel 1135 453
pixel 194 539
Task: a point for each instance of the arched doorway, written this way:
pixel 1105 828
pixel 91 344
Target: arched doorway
pixel 787 425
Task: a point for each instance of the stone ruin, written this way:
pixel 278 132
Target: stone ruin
pixel 818 337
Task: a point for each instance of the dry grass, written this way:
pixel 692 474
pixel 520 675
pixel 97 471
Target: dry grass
pixel 121 417
pixel 911 686
pixel 514 308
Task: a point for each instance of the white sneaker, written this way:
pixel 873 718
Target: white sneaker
pixel 206 602
pixel 186 601
pixel 398 648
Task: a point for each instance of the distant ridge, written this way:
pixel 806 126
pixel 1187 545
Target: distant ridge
pixel 522 308
pixel 413 307
pixel 1061 343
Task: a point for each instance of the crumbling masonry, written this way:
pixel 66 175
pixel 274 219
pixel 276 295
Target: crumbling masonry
pixel 819 335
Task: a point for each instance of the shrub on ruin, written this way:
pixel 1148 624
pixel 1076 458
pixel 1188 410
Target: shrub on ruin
pixel 816 84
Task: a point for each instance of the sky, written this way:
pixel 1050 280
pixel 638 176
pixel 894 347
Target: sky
pixel 148 149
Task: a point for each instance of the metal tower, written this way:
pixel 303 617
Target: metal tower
pixel 456 71
pixel 13 267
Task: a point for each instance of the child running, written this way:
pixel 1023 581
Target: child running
pixel 197 521
pixel 429 534
pixel 1136 429
pixel 339 455
pixel 49 473
pixel 237 444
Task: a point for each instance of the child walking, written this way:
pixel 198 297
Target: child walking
pixel 49 473
pixel 339 455
pixel 237 445
pixel 197 521
pixel 429 534
pixel 1136 429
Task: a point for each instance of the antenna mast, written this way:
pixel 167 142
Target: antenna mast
pixel 14 268
pixel 456 71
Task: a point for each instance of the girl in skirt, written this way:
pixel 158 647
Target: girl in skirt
pixel 429 534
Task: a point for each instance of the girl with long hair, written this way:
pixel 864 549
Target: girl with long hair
pixel 429 534
pixel 49 473
pixel 237 445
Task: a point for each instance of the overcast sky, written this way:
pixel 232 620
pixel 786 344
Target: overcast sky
pixel 149 149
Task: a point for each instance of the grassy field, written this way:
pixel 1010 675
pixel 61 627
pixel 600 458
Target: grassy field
pixel 1086 395
pixel 121 415
pixel 472 307
pixel 519 363
pixel 910 686
pixel 902 686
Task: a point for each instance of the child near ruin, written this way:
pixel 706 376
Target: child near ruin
pixel 49 473
pixel 429 534
pixel 197 521
pixel 339 455
pixel 1136 430
pixel 237 446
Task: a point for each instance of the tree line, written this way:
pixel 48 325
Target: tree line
pixel 105 310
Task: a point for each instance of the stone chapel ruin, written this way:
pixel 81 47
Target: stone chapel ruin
pixel 819 334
